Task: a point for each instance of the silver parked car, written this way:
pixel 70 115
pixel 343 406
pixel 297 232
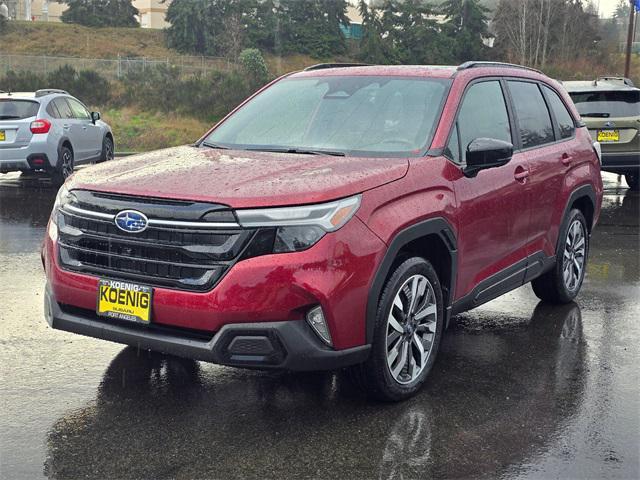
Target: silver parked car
pixel 50 131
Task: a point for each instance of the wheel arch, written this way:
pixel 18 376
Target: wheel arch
pixel 584 199
pixel 64 142
pixel 432 239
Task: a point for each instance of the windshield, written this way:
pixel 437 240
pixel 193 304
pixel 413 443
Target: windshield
pixel 18 109
pixel 608 104
pixel 356 115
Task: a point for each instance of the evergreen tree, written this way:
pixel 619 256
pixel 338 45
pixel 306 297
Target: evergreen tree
pixel 101 13
pixel 373 47
pixel 466 26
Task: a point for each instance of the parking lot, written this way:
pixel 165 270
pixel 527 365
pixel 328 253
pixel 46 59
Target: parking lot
pixel 520 389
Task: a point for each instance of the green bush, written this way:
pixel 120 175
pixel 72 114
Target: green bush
pixel 253 64
pixel 4 25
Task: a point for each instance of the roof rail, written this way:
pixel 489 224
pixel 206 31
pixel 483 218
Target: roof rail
pixel 626 81
pixel 474 64
pixel 48 91
pixel 322 66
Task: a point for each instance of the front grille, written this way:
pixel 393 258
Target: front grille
pixel 186 253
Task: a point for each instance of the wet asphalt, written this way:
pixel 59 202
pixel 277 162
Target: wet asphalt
pixel 520 389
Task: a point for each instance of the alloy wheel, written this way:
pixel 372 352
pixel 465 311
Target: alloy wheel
pixel 67 164
pixel 574 256
pixel 411 329
pixel 108 150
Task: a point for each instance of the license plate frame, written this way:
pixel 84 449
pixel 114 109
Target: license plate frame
pixel 609 135
pixel 3 135
pixel 135 307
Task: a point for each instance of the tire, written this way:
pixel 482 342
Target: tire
pixel 397 372
pixel 633 180
pixel 107 150
pixel 64 167
pixel 562 283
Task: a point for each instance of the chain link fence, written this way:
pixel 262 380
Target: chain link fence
pixel 112 68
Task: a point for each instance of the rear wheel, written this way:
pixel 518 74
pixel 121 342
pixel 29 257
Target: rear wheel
pixel 65 165
pixel 107 150
pixel 409 324
pixel 562 284
pixel 633 180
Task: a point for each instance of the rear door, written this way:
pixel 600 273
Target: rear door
pixel 86 135
pixel 493 213
pixel 16 116
pixel 70 126
pixel 548 159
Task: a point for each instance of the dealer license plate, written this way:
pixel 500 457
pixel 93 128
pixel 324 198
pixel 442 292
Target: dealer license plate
pixel 608 135
pixel 125 301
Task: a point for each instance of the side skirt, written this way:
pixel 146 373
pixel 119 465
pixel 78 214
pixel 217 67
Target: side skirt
pixel 504 281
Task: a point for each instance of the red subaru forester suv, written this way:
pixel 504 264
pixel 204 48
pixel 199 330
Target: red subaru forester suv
pixel 337 218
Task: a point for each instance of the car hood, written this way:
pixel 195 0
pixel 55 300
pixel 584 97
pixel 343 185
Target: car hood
pixel 239 178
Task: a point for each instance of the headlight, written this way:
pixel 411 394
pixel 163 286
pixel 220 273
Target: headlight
pixel 298 228
pixel 62 198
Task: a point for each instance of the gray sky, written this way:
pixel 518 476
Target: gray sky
pixel 606 7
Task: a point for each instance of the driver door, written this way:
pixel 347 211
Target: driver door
pixel 493 206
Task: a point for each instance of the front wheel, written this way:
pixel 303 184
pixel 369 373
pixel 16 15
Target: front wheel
pixel 562 284
pixel 633 180
pixel 409 324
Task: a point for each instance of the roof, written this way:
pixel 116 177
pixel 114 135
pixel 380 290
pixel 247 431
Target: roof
pixel 467 69
pixel 617 84
pixel 18 95
pixel 436 71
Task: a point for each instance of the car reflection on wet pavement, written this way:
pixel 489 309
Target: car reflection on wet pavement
pixel 520 389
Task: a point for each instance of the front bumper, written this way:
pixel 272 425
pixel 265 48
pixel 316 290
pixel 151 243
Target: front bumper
pixel 289 345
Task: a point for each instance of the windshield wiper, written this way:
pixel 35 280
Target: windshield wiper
pixel 596 114
pixel 303 151
pixel 214 145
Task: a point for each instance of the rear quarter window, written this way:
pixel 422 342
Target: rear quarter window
pixel 18 109
pixel 560 112
pixel 609 104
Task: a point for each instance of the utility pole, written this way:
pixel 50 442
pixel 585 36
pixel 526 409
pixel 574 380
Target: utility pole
pixel 630 33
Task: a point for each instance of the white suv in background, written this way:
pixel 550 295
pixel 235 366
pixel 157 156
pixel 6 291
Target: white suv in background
pixel 50 131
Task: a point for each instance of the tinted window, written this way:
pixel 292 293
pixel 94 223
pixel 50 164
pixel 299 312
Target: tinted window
pixel 563 117
pixel 532 114
pixel 63 108
pixel 53 110
pixel 355 114
pixel 607 104
pixel 483 113
pixel 18 109
pixel 78 109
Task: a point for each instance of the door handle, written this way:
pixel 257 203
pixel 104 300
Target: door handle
pixel 565 159
pixel 65 126
pixel 521 174
pixel 84 127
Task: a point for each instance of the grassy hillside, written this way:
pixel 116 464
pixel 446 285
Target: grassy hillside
pixel 67 40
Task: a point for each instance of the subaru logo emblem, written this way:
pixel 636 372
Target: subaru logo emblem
pixel 609 124
pixel 131 221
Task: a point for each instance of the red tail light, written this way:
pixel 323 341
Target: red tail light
pixel 40 126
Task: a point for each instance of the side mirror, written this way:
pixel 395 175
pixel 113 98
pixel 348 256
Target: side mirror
pixel 95 116
pixel 485 153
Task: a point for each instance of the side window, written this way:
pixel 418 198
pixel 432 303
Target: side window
pixel 563 117
pixel 532 114
pixel 53 110
pixel 483 113
pixel 78 109
pixel 63 108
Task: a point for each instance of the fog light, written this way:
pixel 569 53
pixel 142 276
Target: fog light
pixel 315 318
